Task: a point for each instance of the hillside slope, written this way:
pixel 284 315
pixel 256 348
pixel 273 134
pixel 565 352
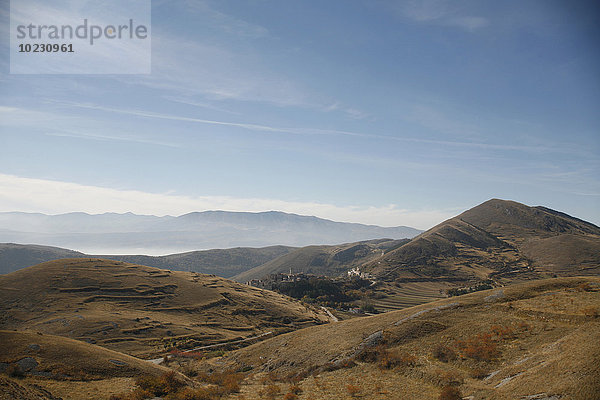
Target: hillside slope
pixel 57 367
pixel 16 256
pixel 535 340
pixel 221 262
pixel 322 260
pixel 142 310
pixel 499 240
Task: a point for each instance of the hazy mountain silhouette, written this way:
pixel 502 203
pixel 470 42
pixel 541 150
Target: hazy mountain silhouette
pixel 151 235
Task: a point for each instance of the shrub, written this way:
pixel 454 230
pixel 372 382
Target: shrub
pixel 479 373
pixel 444 353
pixel 368 308
pixel 394 359
pixel 348 363
pixel 591 312
pixel 585 287
pixel 370 354
pixel 387 359
pixel 160 386
pixel 352 390
pixel 449 378
pixel 295 389
pixel 480 347
pixel 228 380
pixel 270 392
pixel 15 371
pixel 189 371
pixel 450 393
pixel 503 332
pixel 523 326
pixel 290 396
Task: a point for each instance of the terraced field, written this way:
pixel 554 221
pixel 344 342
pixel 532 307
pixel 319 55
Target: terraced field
pixel 409 294
pixel 142 311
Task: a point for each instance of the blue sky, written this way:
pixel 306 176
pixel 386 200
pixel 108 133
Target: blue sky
pixel 382 112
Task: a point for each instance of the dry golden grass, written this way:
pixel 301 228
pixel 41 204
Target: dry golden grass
pixel 531 339
pixel 74 370
pixel 500 240
pixel 140 310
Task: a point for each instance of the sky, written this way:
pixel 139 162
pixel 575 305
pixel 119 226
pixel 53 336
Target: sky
pixel 378 111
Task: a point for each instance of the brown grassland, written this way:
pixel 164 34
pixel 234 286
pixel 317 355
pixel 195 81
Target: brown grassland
pixel 502 343
pixel 142 311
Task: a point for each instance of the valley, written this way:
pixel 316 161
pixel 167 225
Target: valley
pixel 485 305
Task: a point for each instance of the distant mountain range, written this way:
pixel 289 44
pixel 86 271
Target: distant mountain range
pixel 151 235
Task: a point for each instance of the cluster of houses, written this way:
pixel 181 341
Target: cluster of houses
pixel 272 280
pixel 355 272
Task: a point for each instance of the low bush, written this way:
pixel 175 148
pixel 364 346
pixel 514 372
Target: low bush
pixel 228 380
pixel 15 371
pixel 448 378
pixel 450 393
pixel 270 392
pixel 295 389
pixel 170 387
pixel 503 332
pixel 585 287
pixel 479 373
pixel 386 358
pixel 352 390
pixel 444 353
pixel 160 386
pixel 481 347
pixel 591 312
pixel 389 359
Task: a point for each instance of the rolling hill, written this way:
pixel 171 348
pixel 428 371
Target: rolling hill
pixel 141 310
pixel 221 262
pixel 58 367
pixel 535 340
pixel 16 256
pixel 499 240
pixel 151 235
pixel 494 244
pixel 322 260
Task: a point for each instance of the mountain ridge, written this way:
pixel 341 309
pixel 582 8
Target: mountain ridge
pixel 152 235
pixel 221 262
pixel 510 237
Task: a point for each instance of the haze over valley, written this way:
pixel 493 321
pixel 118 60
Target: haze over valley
pixel 150 235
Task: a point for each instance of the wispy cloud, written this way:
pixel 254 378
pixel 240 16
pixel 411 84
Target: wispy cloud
pixel 81 127
pixel 52 197
pixel 441 12
pixel 61 125
pixel 201 104
pixel 130 139
pixel 225 22
pixel 223 73
pixel 316 131
pixel 468 23
pixel 351 112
